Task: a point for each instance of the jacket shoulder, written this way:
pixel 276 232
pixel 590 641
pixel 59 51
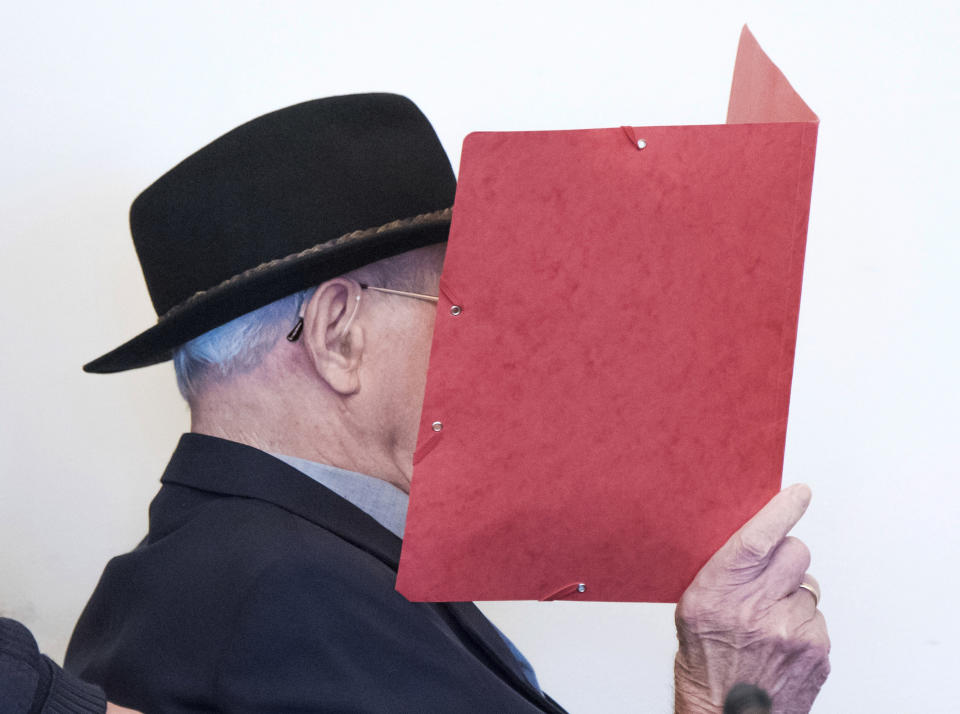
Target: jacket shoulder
pixel 246 607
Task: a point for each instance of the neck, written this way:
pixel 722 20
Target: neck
pixel 298 421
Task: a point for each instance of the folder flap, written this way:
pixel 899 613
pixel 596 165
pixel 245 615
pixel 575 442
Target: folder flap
pixel 760 92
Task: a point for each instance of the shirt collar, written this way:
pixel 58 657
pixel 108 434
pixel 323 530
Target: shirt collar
pixel 380 500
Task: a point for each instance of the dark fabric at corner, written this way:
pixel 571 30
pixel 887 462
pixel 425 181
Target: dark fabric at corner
pixel 31 683
pixel 259 590
pixel 19 667
pixel 70 695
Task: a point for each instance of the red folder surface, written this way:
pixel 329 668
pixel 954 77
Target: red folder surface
pixel 610 373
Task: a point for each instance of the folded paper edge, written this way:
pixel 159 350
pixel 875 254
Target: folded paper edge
pixel 760 92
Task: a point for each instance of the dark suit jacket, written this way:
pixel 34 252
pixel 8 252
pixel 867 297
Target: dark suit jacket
pixel 259 590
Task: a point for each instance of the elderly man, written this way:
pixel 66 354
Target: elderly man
pixel 293 263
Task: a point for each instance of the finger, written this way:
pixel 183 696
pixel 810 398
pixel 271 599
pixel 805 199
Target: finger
pixel 817 635
pixel 755 542
pixel 786 568
pixel 801 606
pixel 793 617
pixel 810 585
pixel 812 636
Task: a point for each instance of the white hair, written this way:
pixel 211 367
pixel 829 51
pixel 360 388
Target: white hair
pixel 240 345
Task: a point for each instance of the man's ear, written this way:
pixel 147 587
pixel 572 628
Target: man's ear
pixel 331 335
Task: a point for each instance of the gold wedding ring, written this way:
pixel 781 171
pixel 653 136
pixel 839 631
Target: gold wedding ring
pixel 810 588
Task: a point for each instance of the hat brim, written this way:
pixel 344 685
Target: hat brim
pixel 269 282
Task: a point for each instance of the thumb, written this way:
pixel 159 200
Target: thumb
pixel 754 543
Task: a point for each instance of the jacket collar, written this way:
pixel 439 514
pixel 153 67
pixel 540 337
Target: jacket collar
pixel 232 469
pixel 226 467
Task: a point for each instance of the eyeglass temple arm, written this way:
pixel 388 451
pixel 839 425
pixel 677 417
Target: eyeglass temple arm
pixel 294 334
pixel 418 296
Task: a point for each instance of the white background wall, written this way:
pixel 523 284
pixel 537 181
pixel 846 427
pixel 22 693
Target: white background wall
pixel 100 98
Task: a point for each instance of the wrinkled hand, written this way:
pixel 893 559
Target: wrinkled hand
pixel 745 619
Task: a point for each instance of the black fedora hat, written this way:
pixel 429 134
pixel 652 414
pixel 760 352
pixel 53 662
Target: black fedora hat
pixel 279 204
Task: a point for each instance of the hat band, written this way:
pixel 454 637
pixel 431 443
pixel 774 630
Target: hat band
pixel 423 219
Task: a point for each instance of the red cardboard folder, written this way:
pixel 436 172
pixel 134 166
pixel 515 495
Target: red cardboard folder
pixel 610 373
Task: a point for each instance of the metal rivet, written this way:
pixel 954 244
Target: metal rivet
pixel 455 310
pixel 641 144
pixel 581 588
pixel 437 425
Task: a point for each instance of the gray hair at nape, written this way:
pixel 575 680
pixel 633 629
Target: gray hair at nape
pixel 240 345
pixel 236 347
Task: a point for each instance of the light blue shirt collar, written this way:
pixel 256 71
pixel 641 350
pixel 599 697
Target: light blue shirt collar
pixel 382 501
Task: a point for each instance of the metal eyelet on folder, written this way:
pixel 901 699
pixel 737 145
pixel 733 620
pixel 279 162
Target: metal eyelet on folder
pixel 437 425
pixel 565 591
pixel 641 144
pixel 455 310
